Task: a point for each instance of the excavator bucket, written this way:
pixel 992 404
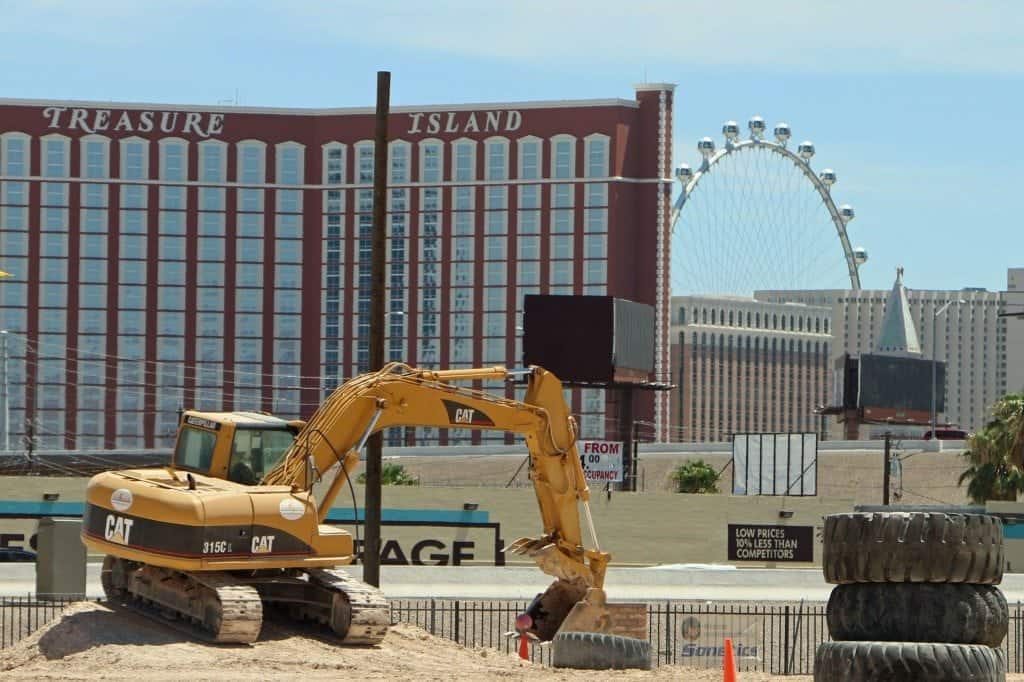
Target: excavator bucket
pixel 571 603
pixel 573 607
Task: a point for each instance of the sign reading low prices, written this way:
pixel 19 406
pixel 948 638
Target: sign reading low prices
pixel 601 460
pixel 771 543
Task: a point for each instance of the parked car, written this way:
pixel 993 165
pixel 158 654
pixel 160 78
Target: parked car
pixel 946 434
pixel 16 554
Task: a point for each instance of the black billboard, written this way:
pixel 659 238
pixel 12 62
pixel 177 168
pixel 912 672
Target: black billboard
pixel 589 338
pixel 900 383
pixel 751 542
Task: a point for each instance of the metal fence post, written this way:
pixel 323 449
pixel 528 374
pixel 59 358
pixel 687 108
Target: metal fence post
pixel 785 641
pixel 456 625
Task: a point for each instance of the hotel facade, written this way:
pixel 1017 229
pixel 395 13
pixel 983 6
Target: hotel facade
pixel 168 257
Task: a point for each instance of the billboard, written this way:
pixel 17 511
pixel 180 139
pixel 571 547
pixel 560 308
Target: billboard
pixel 900 383
pixel 775 464
pixel 589 339
pixel 601 460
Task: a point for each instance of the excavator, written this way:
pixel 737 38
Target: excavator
pixel 236 523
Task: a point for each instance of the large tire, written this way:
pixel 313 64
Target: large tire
pixel 922 612
pixel 907 662
pixel 598 651
pixel 913 547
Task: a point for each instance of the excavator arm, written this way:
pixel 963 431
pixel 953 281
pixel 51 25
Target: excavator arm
pixel 327 449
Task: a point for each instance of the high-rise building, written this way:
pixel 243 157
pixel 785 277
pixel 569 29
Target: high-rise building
pixel 186 256
pixel 981 352
pixel 1011 366
pixel 746 366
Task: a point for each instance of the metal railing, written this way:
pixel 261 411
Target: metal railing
pixel 777 639
pixel 21 616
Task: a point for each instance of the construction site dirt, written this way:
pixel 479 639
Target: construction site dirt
pixel 91 641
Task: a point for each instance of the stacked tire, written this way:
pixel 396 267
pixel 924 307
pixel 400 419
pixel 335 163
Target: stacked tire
pixel 915 598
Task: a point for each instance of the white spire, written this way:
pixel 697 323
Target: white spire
pixel 898 335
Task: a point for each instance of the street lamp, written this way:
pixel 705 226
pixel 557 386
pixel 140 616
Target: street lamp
pixel 935 318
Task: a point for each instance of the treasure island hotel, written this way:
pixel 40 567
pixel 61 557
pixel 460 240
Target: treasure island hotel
pixel 167 257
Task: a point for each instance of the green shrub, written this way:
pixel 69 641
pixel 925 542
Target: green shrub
pixel 392 474
pixel 695 476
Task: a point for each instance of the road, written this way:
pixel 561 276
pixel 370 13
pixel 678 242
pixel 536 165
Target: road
pixel 524 582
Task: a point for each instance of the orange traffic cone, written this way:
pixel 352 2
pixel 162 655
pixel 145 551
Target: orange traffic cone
pixel 524 648
pixel 728 662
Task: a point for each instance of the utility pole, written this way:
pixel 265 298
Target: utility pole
pixel 378 292
pixel 6 392
pixel 886 473
pixel 626 429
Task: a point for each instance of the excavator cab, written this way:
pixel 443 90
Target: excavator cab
pixel 237 446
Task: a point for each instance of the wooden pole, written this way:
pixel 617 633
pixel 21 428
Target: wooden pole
pixel 378 295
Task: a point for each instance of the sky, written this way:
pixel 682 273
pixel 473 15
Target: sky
pixel 912 103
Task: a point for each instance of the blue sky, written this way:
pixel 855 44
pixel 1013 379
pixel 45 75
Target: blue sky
pixel 914 104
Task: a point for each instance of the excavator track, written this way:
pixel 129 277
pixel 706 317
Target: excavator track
pixel 214 607
pixel 360 614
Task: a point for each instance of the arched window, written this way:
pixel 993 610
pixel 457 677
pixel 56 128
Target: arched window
pixel 714 314
pixel 730 318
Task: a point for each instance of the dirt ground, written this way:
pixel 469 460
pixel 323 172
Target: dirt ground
pixel 92 641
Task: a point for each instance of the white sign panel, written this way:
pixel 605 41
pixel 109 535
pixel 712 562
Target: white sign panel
pixel 601 460
pixel 775 464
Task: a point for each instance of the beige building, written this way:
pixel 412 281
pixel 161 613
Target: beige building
pixel 1011 367
pixel 984 353
pixel 741 365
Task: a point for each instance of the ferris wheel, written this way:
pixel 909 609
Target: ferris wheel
pixel 755 215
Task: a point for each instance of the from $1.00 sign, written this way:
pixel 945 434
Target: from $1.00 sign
pixel 601 460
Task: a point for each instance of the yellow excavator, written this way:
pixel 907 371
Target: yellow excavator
pixel 236 522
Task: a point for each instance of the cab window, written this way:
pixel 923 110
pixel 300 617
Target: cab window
pixel 255 452
pixel 194 449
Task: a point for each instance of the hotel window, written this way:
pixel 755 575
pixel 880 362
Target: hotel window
pixel 529 158
pixel 529 248
pixel 134 161
pixel 212 169
pixel 251 171
pixel 95 156
pixel 561 246
pixel 497 158
pixel 334 164
pixel 173 160
pixel 464 166
pixel 563 157
pixel 431 160
pixel 55 156
pixel 364 161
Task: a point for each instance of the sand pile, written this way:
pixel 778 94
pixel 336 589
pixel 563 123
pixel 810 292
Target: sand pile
pixel 92 641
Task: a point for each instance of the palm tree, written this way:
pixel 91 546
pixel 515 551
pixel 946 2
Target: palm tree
pixel 996 454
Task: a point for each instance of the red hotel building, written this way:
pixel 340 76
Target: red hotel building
pixel 172 256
